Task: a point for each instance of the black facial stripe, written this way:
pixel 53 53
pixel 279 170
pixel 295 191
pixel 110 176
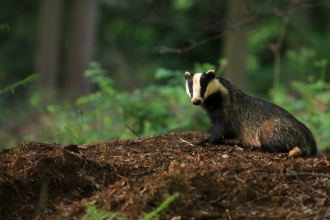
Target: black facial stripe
pixel 190 84
pixel 204 81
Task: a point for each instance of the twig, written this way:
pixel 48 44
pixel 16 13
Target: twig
pixel 218 199
pixel 228 214
pixel 317 168
pixel 311 5
pixel 187 142
pixel 235 27
pixel 260 14
pixel 309 174
pixel 102 191
pixel 276 48
pixel 295 201
pixel 263 197
pixel 133 131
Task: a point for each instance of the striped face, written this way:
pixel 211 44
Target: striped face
pixel 201 85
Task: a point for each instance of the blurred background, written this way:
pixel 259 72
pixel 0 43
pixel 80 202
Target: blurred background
pixel 91 70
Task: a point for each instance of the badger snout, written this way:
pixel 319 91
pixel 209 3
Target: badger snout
pixel 196 101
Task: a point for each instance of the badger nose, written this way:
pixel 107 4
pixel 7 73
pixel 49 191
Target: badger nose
pixel 196 101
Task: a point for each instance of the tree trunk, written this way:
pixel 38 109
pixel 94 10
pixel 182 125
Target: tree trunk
pixel 80 48
pixel 48 47
pixel 235 45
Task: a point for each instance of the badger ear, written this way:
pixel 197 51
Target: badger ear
pixel 210 74
pixel 186 74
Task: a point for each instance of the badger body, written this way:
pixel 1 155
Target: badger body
pixel 239 118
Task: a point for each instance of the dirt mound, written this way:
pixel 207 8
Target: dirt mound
pixel 133 177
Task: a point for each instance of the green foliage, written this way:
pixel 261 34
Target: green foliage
pixel 161 207
pixel 12 88
pixel 69 131
pixel 302 60
pixel 4 27
pixel 161 107
pixel 322 64
pixel 92 213
pixel 202 67
pixel 182 4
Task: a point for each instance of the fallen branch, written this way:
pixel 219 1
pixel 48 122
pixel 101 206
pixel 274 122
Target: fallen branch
pixel 317 168
pixel 228 214
pixel 309 174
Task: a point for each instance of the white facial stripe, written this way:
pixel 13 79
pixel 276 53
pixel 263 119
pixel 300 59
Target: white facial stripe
pixel 196 86
pixel 187 89
pixel 213 87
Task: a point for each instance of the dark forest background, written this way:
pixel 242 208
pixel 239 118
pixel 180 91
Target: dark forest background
pixel 92 70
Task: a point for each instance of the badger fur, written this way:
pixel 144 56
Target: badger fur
pixel 239 118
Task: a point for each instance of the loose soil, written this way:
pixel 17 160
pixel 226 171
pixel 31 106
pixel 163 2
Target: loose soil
pixel 133 177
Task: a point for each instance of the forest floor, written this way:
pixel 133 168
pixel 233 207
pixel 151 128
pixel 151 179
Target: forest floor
pixel 133 177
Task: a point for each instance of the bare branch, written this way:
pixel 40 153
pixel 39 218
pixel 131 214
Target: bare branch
pixel 238 26
pixel 309 174
pixel 133 131
pixel 311 5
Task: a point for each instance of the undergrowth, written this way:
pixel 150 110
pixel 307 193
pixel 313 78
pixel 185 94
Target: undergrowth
pixel 164 107
pixel 159 108
pixel 92 212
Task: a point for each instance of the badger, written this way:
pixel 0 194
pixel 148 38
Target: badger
pixel 238 118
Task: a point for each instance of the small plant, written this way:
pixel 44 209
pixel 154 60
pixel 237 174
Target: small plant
pixel 72 133
pixel 159 108
pixel 93 213
pixel 161 207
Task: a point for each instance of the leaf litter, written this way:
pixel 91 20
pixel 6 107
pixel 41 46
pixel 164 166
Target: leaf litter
pixel 133 177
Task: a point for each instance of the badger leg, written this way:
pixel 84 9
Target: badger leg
pixel 228 141
pixel 220 136
pixel 216 136
pixel 271 139
pixel 217 133
pixel 273 146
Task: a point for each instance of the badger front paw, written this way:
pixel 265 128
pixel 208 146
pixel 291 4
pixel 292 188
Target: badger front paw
pixel 215 140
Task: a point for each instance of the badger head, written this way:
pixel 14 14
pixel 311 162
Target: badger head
pixel 199 86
